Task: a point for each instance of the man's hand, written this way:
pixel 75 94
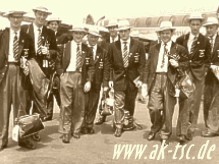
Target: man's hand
pixel 111 84
pixel 87 86
pixel 144 90
pixel 213 67
pixel 26 70
pixel 44 50
pixel 174 63
pixel 105 89
pixel 138 84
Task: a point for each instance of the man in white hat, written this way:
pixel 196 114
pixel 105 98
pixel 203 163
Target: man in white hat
pixel 101 77
pixel 46 53
pixel 14 45
pixel 161 76
pixel 199 50
pixel 113 30
pixel 127 59
pixel 76 74
pixel 211 90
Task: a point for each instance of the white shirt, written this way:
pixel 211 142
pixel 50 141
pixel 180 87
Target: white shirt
pixel 73 59
pixel 11 40
pixel 94 51
pixel 190 41
pixel 164 68
pixel 127 43
pixel 116 38
pixel 36 35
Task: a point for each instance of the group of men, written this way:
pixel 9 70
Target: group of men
pixel 38 62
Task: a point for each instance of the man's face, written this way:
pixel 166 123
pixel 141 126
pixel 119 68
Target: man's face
pixel 211 30
pixel 113 31
pixel 124 34
pixel 40 17
pixel 166 35
pixel 195 26
pixel 15 21
pixel 93 40
pixel 54 25
pixel 78 36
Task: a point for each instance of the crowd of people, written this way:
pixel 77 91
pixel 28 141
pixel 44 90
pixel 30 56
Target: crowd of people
pixel 38 62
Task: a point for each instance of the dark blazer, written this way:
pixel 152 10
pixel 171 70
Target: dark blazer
pixel 48 37
pixel 199 60
pixel 214 59
pixel 124 77
pixel 25 42
pixel 102 69
pixel 151 65
pixel 87 67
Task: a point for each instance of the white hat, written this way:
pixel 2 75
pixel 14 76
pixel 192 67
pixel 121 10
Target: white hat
pixel 211 21
pixel 42 9
pixel 54 19
pixel 103 29
pixel 123 25
pixel 93 30
pixel 112 23
pixel 14 12
pixel 165 25
pixel 78 28
pixel 195 16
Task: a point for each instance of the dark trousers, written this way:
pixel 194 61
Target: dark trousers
pixel 211 103
pixel 194 101
pixel 11 93
pixel 92 99
pixel 72 102
pixel 157 97
pixel 124 100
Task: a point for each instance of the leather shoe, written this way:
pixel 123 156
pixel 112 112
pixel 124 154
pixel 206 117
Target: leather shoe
pixel 36 137
pixel 165 141
pixel 118 132
pixel 151 136
pixel 3 147
pixel 208 134
pixel 76 136
pixel 101 120
pixel 28 143
pixel 90 130
pixel 65 138
pixel 84 130
pixel 182 140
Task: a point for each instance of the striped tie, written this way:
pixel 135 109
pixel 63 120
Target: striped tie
pixel 16 47
pixel 193 45
pixel 125 55
pixel 78 57
pixel 165 53
pixel 39 42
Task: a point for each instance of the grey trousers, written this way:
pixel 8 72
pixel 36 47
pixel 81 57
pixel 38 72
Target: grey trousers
pixel 11 93
pixel 72 102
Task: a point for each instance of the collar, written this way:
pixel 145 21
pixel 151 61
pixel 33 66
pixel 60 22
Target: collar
pixel 13 32
pixel 76 43
pixel 116 38
pixel 168 43
pixel 36 27
pixel 214 36
pixel 127 41
pixel 191 36
pixel 94 47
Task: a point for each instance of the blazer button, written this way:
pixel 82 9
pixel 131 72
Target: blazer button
pixel 3 73
pixel 190 61
pixel 6 65
pixel 124 75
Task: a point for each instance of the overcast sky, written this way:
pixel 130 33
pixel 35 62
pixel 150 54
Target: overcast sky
pixel 71 11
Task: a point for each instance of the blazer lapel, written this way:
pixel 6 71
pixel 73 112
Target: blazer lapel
pixel 83 47
pixel 98 54
pixel 185 41
pixel 6 41
pixel 21 42
pixel 67 55
pixel 156 56
pixel 119 52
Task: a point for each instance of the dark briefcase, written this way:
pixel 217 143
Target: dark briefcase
pixel 29 125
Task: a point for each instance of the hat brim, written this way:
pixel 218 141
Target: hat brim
pixel 94 34
pixel 124 28
pixel 22 13
pixel 210 24
pixel 165 29
pixel 111 25
pixel 196 18
pixel 49 13
pixel 78 30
